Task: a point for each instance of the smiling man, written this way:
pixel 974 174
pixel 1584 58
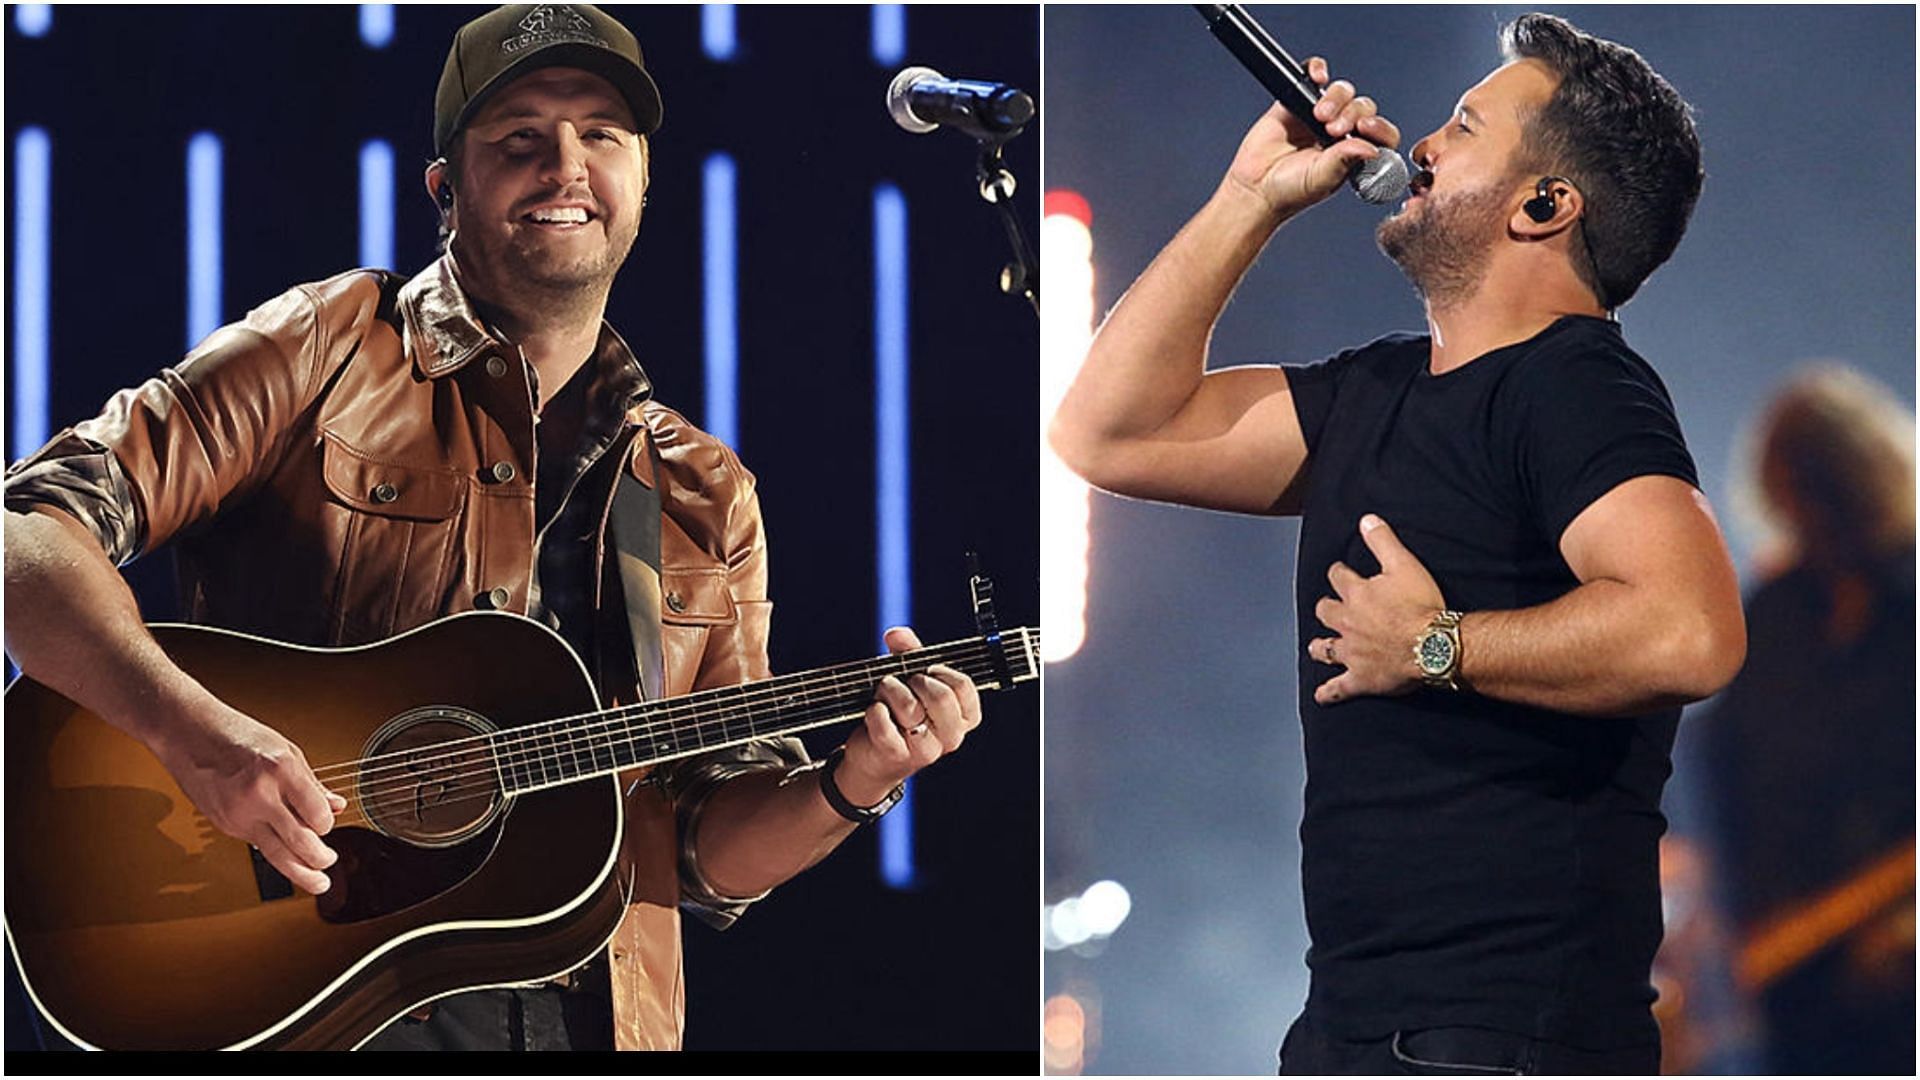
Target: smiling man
pixel 367 454
pixel 1508 579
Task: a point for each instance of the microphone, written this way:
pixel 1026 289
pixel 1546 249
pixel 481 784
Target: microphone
pixel 1381 178
pixel 922 99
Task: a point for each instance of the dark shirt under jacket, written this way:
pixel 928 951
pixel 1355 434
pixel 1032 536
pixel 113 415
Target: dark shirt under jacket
pixel 1467 861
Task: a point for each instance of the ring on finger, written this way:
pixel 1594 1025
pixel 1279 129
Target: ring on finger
pixel 918 729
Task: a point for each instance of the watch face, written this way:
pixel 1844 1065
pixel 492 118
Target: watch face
pixel 1436 653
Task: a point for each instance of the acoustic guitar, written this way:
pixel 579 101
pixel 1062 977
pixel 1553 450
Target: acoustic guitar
pixel 478 846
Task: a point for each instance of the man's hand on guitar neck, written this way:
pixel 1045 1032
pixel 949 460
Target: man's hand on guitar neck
pixel 254 785
pixel 913 724
pixel 758 829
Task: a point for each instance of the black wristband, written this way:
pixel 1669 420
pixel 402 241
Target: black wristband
pixel 857 814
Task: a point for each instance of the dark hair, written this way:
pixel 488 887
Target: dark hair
pixel 1626 139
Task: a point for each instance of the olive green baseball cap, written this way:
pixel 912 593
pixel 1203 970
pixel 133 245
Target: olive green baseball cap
pixel 508 42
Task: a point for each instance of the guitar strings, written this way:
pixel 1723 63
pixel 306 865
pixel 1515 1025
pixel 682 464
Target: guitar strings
pixel 838 706
pixel 541 745
pixel 457 790
pixel 749 694
pixel 538 744
pixel 520 740
pixel 488 790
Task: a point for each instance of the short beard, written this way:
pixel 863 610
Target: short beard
pixel 1444 248
pixel 535 268
pixel 528 279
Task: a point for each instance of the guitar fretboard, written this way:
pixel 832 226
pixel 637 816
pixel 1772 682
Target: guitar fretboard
pixel 598 744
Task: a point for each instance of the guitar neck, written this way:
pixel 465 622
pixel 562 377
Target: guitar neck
pixel 577 748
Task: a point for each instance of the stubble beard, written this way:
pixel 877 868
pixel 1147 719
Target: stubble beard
pixel 1445 245
pixel 528 272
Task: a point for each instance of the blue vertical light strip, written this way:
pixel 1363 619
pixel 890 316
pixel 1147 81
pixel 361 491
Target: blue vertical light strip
pixel 376 204
pixel 376 25
pixel 203 237
pixel 717 37
pixel 722 309
pixel 33 20
pixel 889 33
pixel 891 473
pixel 32 280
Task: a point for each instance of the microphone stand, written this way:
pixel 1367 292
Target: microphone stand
pixel 1021 277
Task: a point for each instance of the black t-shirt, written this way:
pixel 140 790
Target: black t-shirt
pixel 1467 861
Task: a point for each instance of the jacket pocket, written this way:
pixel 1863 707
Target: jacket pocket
pixel 695 606
pixel 696 596
pixel 398 527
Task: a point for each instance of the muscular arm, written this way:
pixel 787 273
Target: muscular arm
pixel 1655 621
pixel 1144 417
pixel 73 625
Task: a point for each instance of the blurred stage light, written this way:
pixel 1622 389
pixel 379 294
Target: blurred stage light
pixel 1083 923
pixel 1066 328
pixel 376 204
pixel 719 281
pixel 203 237
pixel 1104 906
pixel 32 278
pixel 717 38
pixel 1064 1035
pixel 1065 924
pixel 893 471
pixel 889 33
pixel 376 27
pixel 33 20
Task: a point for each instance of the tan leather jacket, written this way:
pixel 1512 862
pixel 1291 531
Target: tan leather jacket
pixel 348 441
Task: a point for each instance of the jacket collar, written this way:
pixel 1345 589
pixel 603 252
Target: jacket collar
pixel 442 334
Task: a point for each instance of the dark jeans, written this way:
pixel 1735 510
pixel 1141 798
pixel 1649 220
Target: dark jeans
pixel 1453 1051
pixel 579 1017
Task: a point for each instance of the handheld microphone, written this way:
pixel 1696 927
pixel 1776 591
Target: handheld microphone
pixel 1381 178
pixel 922 99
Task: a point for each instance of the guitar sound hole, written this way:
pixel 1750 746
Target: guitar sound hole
pixel 428 777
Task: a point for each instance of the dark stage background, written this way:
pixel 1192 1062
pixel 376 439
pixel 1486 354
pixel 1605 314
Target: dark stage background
pixel 1173 743
pixel 836 959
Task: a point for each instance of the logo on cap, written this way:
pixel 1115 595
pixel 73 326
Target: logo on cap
pixel 549 25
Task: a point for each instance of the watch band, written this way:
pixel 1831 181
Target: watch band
pixel 859 815
pixel 1446 623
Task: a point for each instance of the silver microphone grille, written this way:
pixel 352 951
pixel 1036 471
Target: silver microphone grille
pixel 897 104
pixel 1381 178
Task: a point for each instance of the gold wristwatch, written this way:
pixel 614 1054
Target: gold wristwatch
pixel 1437 651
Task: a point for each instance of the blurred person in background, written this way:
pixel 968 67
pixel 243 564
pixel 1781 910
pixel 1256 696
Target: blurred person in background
pixel 1809 754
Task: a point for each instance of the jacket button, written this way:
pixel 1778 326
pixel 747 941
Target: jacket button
pixel 385 493
pixel 676 603
pixel 502 471
pixel 496 367
pixel 495 599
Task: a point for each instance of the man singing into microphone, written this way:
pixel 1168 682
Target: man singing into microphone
pixel 1509 581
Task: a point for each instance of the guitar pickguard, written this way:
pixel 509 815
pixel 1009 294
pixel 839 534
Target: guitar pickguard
pixel 379 875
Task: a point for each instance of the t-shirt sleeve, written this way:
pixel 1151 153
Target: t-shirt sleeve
pixel 1314 386
pixel 1588 422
